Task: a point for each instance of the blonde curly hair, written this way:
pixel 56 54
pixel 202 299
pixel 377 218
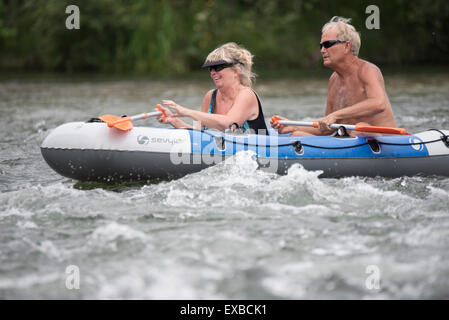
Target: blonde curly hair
pixel 233 53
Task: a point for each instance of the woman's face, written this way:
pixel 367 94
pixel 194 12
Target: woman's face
pixel 225 77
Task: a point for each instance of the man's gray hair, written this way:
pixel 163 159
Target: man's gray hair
pixel 345 32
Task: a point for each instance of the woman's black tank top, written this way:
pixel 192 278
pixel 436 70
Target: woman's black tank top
pixel 258 124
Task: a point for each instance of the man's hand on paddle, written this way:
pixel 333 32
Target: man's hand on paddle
pixel 324 123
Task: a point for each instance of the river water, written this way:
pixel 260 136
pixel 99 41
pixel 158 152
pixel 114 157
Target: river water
pixel 227 232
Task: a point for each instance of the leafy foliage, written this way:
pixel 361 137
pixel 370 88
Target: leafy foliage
pixel 162 36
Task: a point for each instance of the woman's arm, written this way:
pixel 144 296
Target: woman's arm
pixel 245 108
pixel 178 123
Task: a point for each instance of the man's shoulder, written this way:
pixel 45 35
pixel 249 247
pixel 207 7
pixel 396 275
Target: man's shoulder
pixel 366 66
pixel 369 71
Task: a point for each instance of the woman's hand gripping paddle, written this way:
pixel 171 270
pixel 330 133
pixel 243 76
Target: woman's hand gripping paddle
pixel 125 123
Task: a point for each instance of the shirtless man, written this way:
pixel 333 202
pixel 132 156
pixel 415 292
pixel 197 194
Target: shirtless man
pixel 356 93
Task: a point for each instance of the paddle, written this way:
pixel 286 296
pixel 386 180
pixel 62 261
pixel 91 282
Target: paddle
pixel 125 123
pixel 280 121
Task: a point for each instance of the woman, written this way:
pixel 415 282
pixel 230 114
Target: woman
pixel 233 103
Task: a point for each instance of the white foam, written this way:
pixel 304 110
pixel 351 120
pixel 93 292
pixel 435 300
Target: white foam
pixel 26 225
pixel 165 280
pixel 49 249
pixel 438 194
pixel 106 236
pixel 29 281
pixel 16 212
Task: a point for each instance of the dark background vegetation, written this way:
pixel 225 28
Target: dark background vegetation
pixel 174 37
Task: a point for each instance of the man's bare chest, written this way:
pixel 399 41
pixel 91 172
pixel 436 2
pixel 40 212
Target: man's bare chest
pixel 345 94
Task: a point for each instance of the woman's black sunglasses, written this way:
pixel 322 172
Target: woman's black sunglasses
pixel 329 43
pixel 220 67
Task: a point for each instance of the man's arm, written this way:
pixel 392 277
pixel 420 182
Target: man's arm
pixel 375 102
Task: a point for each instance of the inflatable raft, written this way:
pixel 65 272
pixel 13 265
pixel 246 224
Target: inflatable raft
pixel 91 151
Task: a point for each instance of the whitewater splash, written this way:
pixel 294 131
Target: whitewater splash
pixel 231 231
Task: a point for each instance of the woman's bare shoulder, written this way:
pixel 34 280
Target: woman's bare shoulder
pixel 247 93
pixel 208 94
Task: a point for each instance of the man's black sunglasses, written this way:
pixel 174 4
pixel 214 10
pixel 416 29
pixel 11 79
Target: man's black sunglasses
pixel 221 67
pixel 329 43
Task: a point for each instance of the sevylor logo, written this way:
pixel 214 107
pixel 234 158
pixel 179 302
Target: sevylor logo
pixel 142 139
pixel 146 140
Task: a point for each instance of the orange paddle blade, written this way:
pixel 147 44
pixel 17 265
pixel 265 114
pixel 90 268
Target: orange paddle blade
pixel 124 126
pixel 109 118
pixel 121 123
pixel 382 129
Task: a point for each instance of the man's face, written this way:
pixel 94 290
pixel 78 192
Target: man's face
pixel 332 55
